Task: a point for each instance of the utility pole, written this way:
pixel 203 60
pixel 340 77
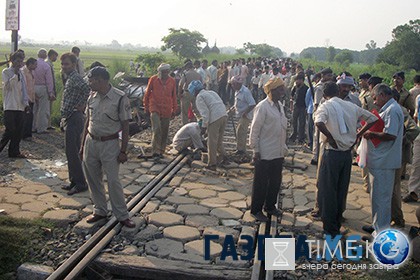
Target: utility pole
pixel 13 21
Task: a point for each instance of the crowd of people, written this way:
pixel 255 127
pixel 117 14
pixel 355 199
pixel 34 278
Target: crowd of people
pixel 330 114
pixel 93 113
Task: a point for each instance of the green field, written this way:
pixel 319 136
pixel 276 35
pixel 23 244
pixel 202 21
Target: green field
pixel 115 60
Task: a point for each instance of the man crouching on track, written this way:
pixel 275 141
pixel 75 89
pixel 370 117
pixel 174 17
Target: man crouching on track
pixel 108 112
pixel 268 140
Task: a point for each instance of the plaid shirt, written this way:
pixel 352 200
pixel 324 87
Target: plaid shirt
pixel 76 93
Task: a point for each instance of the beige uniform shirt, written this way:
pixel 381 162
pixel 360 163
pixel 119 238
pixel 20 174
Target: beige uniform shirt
pixel 187 78
pixel 319 93
pixel 367 101
pixel 407 100
pixel 104 115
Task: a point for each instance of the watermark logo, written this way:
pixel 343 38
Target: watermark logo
pixel 391 247
pixel 280 254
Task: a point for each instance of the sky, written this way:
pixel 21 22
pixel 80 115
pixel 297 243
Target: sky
pixel 289 25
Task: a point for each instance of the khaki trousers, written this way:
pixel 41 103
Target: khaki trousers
pixel 160 128
pixel 185 104
pixel 242 133
pixel 365 177
pixel 215 140
pixel 414 182
pixel 396 213
pixel 99 158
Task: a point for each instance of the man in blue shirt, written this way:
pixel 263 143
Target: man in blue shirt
pixel 244 106
pixel 385 158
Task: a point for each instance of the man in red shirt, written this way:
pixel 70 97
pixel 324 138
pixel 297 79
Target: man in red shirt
pixel 160 102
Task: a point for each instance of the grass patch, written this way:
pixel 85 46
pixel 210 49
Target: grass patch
pixel 15 241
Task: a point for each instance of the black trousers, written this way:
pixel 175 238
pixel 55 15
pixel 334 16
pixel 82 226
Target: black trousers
pixel 28 120
pixel 73 141
pixel 299 122
pixel 223 92
pixel 333 185
pixel 13 122
pixel 267 181
pixel 230 94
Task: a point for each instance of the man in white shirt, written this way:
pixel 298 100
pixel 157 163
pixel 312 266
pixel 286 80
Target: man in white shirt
pixel 201 71
pixel 214 118
pixel 189 135
pixel 212 70
pixel 268 141
pixel 265 76
pixel 337 120
pixel 15 102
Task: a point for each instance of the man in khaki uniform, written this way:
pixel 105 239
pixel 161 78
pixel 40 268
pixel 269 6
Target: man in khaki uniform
pixel 364 89
pixel 406 100
pixel 184 96
pixel 108 112
pixel 368 104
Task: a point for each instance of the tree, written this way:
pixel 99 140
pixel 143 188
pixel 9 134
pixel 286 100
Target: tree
pixel 331 52
pixel 249 47
pixel 183 42
pixel 240 51
pixel 264 50
pixel 151 61
pixel 371 45
pixel 308 55
pixel 404 47
pixel 344 57
pixel 115 45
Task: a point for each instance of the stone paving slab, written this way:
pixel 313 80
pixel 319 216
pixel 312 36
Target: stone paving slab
pixel 214 202
pixel 62 216
pixel 231 195
pixel 165 219
pixel 163 247
pixel 201 221
pixel 37 206
pixel 200 193
pixel 192 209
pixel 150 207
pixel 227 213
pixel 180 200
pixel 181 233
pixel 197 247
pixel 74 202
pixel 222 231
pixel 9 208
pixel 19 198
pixel 35 189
